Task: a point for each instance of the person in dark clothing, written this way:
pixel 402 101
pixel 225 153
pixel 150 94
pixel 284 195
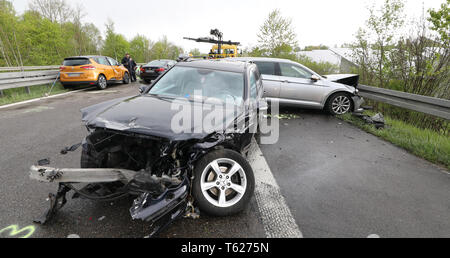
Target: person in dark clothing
pixel 132 69
pixel 126 62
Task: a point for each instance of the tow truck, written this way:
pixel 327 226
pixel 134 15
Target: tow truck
pixel 222 48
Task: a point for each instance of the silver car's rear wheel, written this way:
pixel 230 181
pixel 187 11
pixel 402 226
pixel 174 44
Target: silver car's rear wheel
pixel 340 104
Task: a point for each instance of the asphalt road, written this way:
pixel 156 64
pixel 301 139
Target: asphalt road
pixel 337 180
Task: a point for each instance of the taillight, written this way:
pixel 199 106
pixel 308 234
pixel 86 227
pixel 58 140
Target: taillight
pixel 160 70
pixel 88 67
pixel 142 69
pixel 61 68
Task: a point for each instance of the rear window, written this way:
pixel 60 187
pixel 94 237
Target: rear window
pixel 76 61
pixel 266 67
pixel 157 63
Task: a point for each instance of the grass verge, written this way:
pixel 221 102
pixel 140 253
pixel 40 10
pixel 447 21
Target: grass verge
pixel 427 144
pixel 19 94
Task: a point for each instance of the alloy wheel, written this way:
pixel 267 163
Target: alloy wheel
pixel 341 105
pixel 223 182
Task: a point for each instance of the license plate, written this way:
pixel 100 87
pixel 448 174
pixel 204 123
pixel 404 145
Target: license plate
pixel 150 71
pixel 74 74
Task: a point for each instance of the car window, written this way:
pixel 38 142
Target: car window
pixel 292 70
pixel 157 63
pixel 101 60
pixel 253 85
pixel 112 61
pixel 190 82
pixel 266 67
pixel 76 61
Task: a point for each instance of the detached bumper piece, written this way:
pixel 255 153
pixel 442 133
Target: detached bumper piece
pixel 161 200
pixel 161 210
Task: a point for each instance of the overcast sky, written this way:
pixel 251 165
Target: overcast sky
pixel 328 22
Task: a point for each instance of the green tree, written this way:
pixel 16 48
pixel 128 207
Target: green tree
pixel 42 42
pixel 140 49
pixel 115 45
pixel 276 36
pixel 195 52
pixel 8 21
pixel 440 20
pixel 164 49
pixel 376 41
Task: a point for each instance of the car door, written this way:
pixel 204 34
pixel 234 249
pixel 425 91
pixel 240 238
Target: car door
pixel 116 69
pixel 298 88
pixel 105 67
pixel 271 81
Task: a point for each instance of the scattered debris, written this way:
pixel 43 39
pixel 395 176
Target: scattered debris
pixel 377 120
pixel 285 116
pixel 70 149
pixel 44 162
pixel 373 236
pixel 73 236
pixel 101 218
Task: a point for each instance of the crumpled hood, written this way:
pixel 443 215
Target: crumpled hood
pixel 347 79
pixel 150 115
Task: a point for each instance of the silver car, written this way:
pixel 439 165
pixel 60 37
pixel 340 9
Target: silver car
pixel 294 84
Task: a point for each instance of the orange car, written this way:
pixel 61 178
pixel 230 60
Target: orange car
pixel 92 70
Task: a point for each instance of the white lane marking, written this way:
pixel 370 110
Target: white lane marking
pixel 276 216
pixel 102 91
pixel 37 109
pixel 373 236
pixel 38 99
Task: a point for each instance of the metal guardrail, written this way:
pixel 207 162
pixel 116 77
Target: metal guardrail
pixel 428 105
pixel 29 68
pixel 10 80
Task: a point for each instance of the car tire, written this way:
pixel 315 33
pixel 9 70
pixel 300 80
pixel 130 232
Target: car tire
pixel 209 185
pixel 339 104
pixel 102 83
pixel 126 78
pixel 147 81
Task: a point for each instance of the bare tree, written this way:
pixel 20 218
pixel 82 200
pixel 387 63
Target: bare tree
pixel 54 10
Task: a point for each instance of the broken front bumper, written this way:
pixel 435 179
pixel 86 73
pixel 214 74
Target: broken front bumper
pixel 160 207
pixel 358 101
pixel 80 175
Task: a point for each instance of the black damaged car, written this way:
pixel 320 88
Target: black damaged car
pixel 154 69
pixel 133 149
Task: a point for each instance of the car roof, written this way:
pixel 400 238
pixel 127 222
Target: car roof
pixel 71 57
pixel 162 60
pixel 217 64
pixel 261 59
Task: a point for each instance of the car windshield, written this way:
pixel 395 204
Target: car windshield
pixel 157 63
pixel 204 84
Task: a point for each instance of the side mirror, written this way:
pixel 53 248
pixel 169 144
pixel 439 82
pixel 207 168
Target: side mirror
pixel 143 89
pixel 315 78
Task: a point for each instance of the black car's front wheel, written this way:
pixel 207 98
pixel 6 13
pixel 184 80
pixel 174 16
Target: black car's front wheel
pixel 223 183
